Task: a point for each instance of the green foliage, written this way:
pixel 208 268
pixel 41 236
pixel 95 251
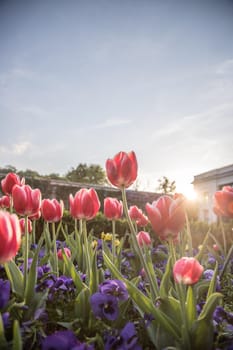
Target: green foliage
pixel 166 186
pixel 83 173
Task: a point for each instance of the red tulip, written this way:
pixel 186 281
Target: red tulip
pixel 137 215
pixel 10 236
pixel 187 270
pixel 113 209
pixel 66 251
pixel 122 169
pixel 85 204
pixel 167 217
pixel 10 181
pixel 5 202
pixel 25 200
pixel 143 238
pixel 52 210
pixel 223 202
pixel 22 225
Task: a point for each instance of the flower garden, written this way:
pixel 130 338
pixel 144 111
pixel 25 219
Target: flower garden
pixel 146 290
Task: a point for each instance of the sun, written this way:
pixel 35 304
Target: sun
pixel 188 191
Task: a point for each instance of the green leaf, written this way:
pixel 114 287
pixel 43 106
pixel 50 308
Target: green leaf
pixel 82 305
pixel 202 335
pixel 32 276
pixel 71 270
pixel 17 340
pixel 191 306
pixel 212 286
pixel 171 307
pixel 145 303
pixel 94 276
pixel 3 342
pixel 209 307
pixel 204 244
pixel 166 279
pixel 16 278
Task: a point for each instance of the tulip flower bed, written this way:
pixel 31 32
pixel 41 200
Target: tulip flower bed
pixel 86 292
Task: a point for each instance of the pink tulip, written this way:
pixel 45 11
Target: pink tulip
pixel 66 251
pixel 10 181
pixel 35 216
pixel 10 236
pixel 167 217
pixel 143 238
pixel 25 200
pixel 5 202
pixel 122 169
pixel 187 270
pixel 22 225
pixel 223 202
pixel 52 210
pixel 137 215
pixel 113 209
pixel 85 204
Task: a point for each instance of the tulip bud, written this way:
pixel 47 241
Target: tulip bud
pixel 10 236
pixel 85 204
pixel 22 225
pixel 26 201
pixel 223 202
pixel 52 210
pixel 5 202
pixel 122 169
pixel 143 238
pixel 187 270
pixel 10 181
pixel 137 215
pixel 66 251
pixel 167 217
pixel 113 209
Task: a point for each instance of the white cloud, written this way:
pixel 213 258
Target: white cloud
pixel 225 67
pixel 109 123
pixel 16 149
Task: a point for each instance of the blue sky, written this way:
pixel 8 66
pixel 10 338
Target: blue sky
pixel 82 80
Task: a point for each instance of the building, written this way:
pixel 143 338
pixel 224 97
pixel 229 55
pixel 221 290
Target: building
pixel 206 184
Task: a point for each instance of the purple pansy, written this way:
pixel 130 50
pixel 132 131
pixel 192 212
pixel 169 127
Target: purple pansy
pixel 208 275
pixel 61 340
pixel 5 293
pixel 104 306
pixel 126 340
pixel 64 340
pixel 116 288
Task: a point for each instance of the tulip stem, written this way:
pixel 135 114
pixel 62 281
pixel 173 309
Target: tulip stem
pixel 227 259
pixel 172 250
pixel 153 283
pixel 189 235
pixel 86 248
pixel 181 295
pixel 113 240
pixel 55 249
pixel 26 247
pixel 223 236
pixel 33 231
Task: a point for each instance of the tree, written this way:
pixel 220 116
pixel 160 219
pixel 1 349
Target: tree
pixel 166 186
pixel 8 169
pixel 87 174
pixel 28 173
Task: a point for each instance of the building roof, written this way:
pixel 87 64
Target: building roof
pixel 214 174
